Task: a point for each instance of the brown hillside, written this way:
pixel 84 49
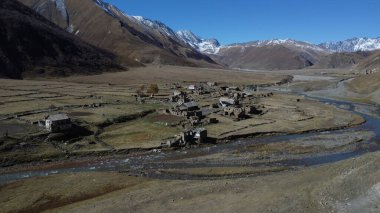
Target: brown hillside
pixel 276 57
pixel 32 46
pixel 341 60
pixel 112 30
pixel 371 63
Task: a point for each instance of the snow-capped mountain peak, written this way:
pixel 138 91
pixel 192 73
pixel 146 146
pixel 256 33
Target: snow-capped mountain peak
pixel 210 46
pixel 353 45
pixel 189 37
pixel 274 42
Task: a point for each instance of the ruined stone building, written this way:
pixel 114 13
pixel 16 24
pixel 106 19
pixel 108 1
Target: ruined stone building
pixel 190 137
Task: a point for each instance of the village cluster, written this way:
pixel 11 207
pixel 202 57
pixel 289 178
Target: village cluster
pixel 196 104
pixel 228 101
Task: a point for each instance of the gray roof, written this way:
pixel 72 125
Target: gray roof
pixel 58 117
pixel 230 101
pixel 190 104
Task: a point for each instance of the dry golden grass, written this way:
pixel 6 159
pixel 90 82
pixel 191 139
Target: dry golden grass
pixel 285 115
pixel 39 194
pixel 169 74
pixel 137 134
pixel 365 84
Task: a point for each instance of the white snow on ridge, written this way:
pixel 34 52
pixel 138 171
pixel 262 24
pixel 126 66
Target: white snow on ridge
pixel 108 8
pixel 353 45
pixel 161 27
pixel 210 46
pixel 275 42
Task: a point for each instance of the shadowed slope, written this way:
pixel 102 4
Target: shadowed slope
pixel 31 46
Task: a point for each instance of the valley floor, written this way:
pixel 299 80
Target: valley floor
pixel 330 171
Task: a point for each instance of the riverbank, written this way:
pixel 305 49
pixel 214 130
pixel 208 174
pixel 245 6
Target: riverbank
pixel 348 186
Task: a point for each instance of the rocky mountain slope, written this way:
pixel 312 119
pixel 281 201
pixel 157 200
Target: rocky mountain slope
pixel 137 40
pixel 353 45
pixel 134 39
pixel 32 46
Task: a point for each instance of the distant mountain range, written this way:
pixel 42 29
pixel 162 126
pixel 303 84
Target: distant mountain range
pixel 278 54
pixel 137 41
pixel 349 45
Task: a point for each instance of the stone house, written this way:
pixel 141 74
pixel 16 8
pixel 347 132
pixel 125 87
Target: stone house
pixel 189 106
pixel 225 101
pixel 58 122
pixel 187 109
pixel 179 96
pixel 198 135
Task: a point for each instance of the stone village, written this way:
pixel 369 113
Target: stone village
pixel 196 103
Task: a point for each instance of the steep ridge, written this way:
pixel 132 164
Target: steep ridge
pixel 32 46
pixel 134 39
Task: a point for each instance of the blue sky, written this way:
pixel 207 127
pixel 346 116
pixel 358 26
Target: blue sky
pixel 233 21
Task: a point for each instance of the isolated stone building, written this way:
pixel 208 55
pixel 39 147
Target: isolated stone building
pixel 58 123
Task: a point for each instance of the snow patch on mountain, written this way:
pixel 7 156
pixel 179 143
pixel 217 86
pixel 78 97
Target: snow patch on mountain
pixel 61 7
pixel 141 21
pixel 274 42
pixel 156 25
pixel 105 6
pixel 353 45
pixel 210 46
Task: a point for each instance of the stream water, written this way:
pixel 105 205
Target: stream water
pixel 154 161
